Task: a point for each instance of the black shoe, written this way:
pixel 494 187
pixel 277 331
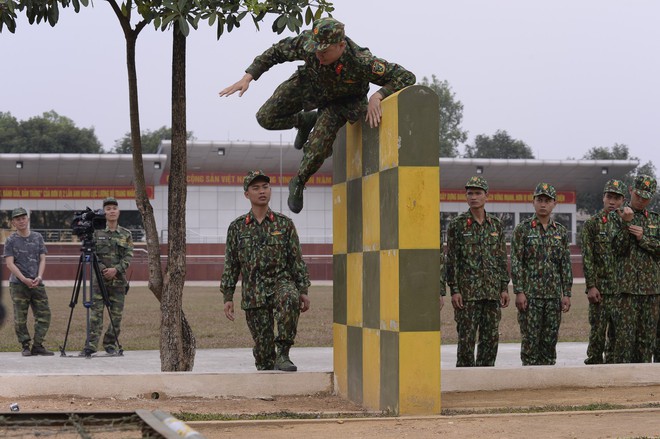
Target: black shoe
pixel 110 350
pixel 295 200
pixel 307 121
pixel 26 352
pixel 86 352
pixel 40 350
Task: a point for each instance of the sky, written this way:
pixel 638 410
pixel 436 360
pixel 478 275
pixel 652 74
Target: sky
pixel 561 75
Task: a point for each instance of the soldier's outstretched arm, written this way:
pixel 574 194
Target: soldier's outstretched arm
pixel 242 85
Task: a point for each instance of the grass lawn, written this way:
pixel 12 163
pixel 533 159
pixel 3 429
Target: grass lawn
pixel 204 309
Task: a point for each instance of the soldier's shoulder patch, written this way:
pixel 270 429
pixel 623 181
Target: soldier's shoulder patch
pixel 378 67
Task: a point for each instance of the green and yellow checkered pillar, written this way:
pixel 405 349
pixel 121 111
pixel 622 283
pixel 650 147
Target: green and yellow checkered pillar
pixel 386 257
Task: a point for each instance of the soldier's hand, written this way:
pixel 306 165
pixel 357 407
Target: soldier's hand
pixel 109 273
pixel 28 282
pixel 636 231
pixel 593 295
pixel 229 310
pixel 304 302
pixel 521 302
pixel 374 112
pixel 565 304
pixel 504 299
pixel 457 301
pixel 241 86
pixel 626 214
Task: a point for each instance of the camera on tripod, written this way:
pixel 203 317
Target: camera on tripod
pixel 86 221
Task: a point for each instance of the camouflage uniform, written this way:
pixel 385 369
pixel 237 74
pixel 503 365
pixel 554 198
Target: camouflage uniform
pixel 26 252
pixel 338 91
pixel 269 259
pixel 540 268
pixel 638 275
pixel 599 261
pixel 476 268
pixel 114 249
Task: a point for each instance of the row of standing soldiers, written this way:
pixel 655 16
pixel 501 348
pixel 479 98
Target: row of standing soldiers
pixel 621 258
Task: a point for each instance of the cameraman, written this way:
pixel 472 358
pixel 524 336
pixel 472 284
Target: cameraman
pixel 114 248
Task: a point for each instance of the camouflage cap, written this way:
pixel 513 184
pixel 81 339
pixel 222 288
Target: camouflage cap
pixel 477 182
pixel 110 200
pixel 616 187
pixel 545 189
pixel 253 175
pixel 19 211
pixel 645 186
pixel 326 31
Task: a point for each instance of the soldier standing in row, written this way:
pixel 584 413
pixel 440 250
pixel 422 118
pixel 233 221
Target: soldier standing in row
pixel 477 277
pixel 542 279
pixel 599 263
pixel 263 247
pixel 114 248
pixel 328 90
pixel 25 255
pixel 637 244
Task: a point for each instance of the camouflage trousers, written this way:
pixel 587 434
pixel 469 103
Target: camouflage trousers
pixel 636 338
pixel 539 329
pixel 483 316
pixel 117 296
pixel 603 318
pixel 23 299
pixel 656 355
pixel 281 112
pixel 282 309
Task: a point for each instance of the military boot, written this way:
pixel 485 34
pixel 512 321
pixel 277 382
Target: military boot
pixel 295 200
pixel 283 362
pixel 26 352
pixel 41 350
pixel 306 122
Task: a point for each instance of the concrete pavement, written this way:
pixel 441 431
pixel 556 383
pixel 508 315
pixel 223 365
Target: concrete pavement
pixel 230 372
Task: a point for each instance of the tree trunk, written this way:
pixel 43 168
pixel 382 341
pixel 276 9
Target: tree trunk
pixel 177 342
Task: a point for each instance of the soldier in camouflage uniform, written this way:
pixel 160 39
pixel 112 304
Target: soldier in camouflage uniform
pixel 263 247
pixel 25 255
pixel 334 79
pixel 477 276
pixel 599 261
pixel 637 245
pixel 114 248
pixel 542 279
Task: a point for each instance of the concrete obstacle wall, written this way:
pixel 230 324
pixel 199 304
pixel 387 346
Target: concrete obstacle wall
pixel 386 257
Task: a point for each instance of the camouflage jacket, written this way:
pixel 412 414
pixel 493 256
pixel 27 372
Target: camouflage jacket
pixel 344 82
pixel 27 253
pixel 638 261
pixel 266 255
pixel 598 254
pixel 476 258
pixel 115 250
pixel 541 260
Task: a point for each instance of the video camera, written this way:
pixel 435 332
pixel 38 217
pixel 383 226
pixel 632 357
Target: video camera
pixel 86 221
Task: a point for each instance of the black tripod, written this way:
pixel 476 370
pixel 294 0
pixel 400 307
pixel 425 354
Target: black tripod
pixel 88 269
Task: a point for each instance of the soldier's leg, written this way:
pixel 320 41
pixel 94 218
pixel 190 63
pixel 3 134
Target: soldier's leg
pixel 656 355
pixel 41 312
pixel 625 330
pixel 286 310
pixel 95 319
pixel 260 322
pixel 117 297
pixel 489 335
pixel 530 327
pixel 611 316
pixel 21 301
pixel 466 328
pixel 319 145
pixel 283 110
pixel 598 325
pixel 550 331
pixel 647 327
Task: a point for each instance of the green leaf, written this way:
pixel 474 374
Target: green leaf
pixel 182 6
pixel 183 26
pixel 53 14
pixel 221 28
pixel 309 15
pixel 212 19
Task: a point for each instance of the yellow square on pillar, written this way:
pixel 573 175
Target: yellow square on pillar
pixel 419 207
pixel 389 290
pixel 339 219
pixel 419 372
pixel 388 134
pixel 354 289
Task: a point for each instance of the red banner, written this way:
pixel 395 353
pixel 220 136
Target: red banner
pixel 458 195
pixel 217 179
pixel 70 192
